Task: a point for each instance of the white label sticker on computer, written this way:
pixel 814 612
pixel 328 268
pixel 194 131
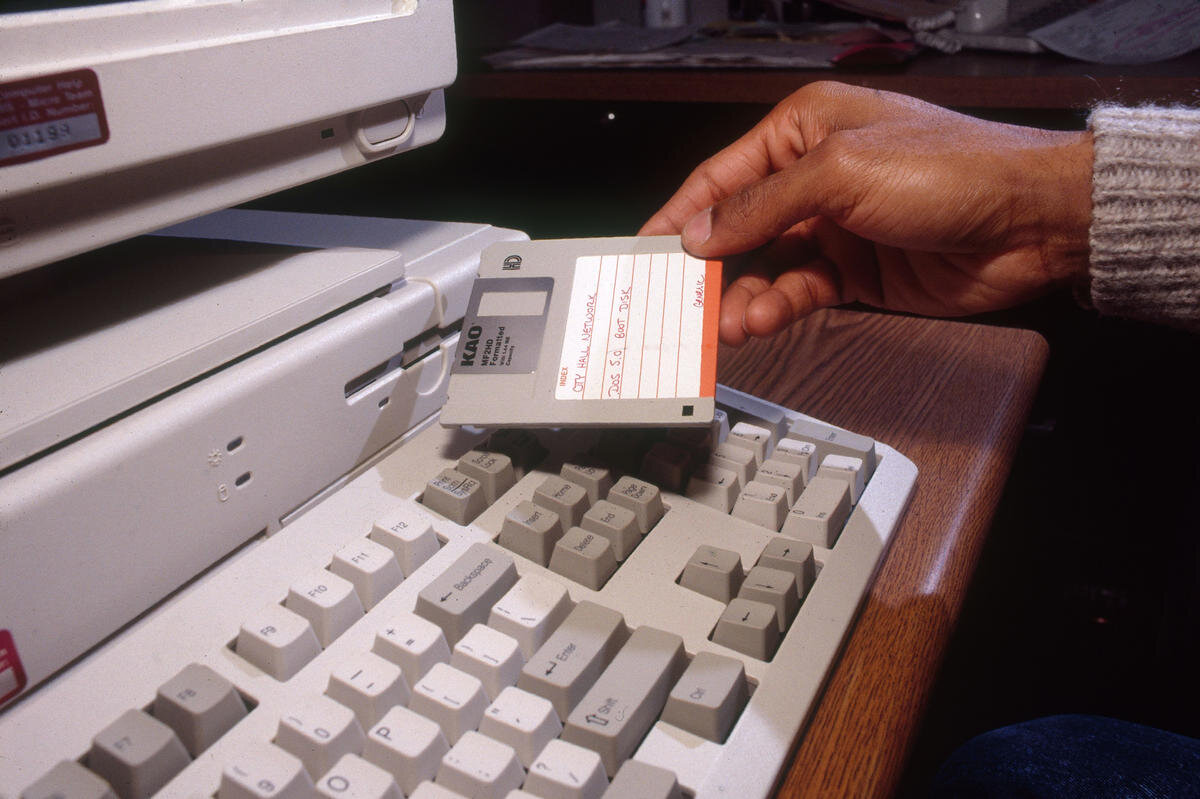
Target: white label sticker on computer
pixel 631 328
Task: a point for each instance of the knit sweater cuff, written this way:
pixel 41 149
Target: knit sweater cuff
pixel 1145 233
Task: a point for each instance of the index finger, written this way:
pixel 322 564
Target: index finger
pixel 756 154
pixel 791 129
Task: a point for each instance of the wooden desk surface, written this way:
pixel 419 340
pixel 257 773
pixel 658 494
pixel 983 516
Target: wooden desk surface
pixel 952 397
pixel 967 79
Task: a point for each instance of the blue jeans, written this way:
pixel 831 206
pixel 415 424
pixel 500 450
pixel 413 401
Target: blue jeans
pixel 1072 757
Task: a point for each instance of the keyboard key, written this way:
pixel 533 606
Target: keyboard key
pixel 738 460
pixel 491 656
pixel 792 556
pixel 832 441
pixel 820 513
pixel 716 487
pixel 841 467
pixel 521 446
pixel 409 534
pixel 716 573
pixel 567 771
pixel 587 558
pixel 494 471
pixel 638 780
pixel 406 745
pixel 619 709
pixel 574 656
pixel 412 643
pixel 591 474
pixel 355 778
pixel 264 771
pixel 328 602
pixel 369 685
pixel 319 731
pixel 278 641
pixel 785 475
pixel 452 698
pixel 762 504
pixel 566 499
pixel 720 426
pixel 531 531
pixel 800 453
pixel 199 705
pixel 137 755
pixel 615 523
pixel 773 587
pixel 455 496
pixel 478 766
pixel 667 464
pixel 750 437
pixel 370 567
pixel 69 780
pixel 709 696
pixel 640 497
pixel 748 627
pixel 523 721
pixel 530 611
pixel 464 593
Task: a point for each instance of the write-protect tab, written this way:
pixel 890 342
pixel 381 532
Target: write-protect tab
pixel 49 115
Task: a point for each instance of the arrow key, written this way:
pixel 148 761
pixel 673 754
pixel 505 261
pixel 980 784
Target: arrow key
pixel 714 572
pixel 748 627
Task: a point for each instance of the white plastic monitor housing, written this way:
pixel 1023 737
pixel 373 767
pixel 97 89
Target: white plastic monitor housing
pixel 186 106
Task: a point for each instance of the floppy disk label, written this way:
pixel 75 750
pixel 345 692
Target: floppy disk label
pixel 631 328
pixel 505 322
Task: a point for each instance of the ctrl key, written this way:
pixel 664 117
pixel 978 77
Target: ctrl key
pixel 264 771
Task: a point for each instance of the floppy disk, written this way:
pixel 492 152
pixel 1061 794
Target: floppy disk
pixel 572 332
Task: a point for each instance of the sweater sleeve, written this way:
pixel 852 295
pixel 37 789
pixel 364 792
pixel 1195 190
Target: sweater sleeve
pixel 1145 233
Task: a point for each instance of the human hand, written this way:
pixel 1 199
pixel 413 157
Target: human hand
pixel 847 194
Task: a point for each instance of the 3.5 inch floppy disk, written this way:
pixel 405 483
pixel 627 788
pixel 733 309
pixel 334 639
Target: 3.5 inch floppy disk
pixel 569 332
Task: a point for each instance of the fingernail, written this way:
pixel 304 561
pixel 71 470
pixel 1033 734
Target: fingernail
pixel 698 228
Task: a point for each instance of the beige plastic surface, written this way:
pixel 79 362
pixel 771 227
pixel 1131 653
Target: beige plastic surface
pixel 49 726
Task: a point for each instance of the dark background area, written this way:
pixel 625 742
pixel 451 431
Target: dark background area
pixel 1085 600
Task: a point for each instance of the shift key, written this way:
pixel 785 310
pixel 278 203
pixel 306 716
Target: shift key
pixel 462 596
pixel 573 657
pixel 618 711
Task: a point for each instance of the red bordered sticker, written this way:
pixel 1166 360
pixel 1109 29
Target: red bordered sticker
pixel 41 117
pixel 12 673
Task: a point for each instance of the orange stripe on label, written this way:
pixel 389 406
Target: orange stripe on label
pixel 712 310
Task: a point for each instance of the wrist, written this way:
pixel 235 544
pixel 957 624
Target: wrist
pixel 1066 203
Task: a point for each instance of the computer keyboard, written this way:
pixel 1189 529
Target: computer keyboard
pixel 568 613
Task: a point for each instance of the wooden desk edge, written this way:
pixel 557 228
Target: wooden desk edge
pixel 858 740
